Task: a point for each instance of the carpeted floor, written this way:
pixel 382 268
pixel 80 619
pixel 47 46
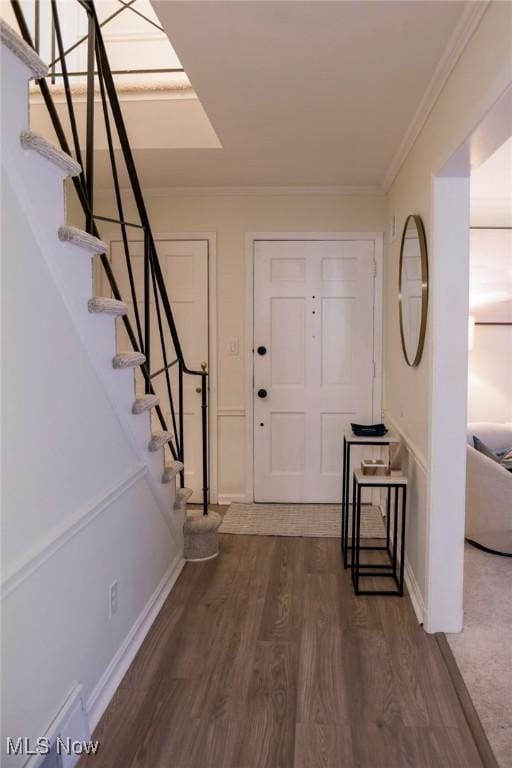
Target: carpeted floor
pixel 316 520
pixel 483 650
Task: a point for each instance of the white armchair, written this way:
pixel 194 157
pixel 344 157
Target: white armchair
pixel 489 490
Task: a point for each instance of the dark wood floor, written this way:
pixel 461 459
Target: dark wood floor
pixel 264 658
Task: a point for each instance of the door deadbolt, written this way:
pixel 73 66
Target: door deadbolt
pixel 262 350
pixel 262 393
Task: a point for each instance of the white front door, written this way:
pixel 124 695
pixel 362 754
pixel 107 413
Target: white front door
pixel 313 362
pixel 185 267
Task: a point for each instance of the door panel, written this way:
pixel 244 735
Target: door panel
pixel 185 267
pixel 313 311
pixel 287 331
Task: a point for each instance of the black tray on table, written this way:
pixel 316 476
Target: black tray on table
pixel 369 430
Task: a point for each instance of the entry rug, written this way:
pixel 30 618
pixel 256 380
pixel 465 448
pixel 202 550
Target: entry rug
pixel 310 520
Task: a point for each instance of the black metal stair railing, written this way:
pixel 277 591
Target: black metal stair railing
pixel 154 286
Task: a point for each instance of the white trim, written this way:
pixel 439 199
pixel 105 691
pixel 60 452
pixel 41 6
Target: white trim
pixel 108 683
pixel 378 323
pixel 448 367
pixel 73 700
pixel 211 240
pixel 230 412
pixel 148 36
pixel 448 377
pixel 249 366
pixel 250 191
pixel 229 498
pixel 250 239
pixel 30 562
pixel 466 26
pixel 415 595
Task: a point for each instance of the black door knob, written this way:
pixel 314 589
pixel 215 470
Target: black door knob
pixel 262 393
pixel 262 350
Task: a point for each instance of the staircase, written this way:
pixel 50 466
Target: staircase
pixel 41 168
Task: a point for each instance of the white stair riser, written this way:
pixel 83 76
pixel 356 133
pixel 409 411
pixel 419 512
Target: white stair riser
pixel 33 142
pixel 145 405
pixel 44 181
pixel 102 306
pixel 14 109
pixel 11 40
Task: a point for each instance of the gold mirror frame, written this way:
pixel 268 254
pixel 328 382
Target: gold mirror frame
pixel 424 289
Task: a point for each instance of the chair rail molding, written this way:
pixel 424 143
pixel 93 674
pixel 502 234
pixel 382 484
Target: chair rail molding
pixel 411 447
pixel 29 563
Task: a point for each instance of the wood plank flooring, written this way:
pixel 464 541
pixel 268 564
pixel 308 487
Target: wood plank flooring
pixel 263 658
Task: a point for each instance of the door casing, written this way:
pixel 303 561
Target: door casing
pixel 251 238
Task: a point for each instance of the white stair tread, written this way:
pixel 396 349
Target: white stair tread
pixel 158 440
pixel 172 469
pixel 128 359
pixel 145 403
pixel 182 496
pixel 100 305
pixel 82 239
pixel 22 50
pixel 37 143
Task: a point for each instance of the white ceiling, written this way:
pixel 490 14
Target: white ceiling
pixel 301 93
pixel 491 189
pixel 491 249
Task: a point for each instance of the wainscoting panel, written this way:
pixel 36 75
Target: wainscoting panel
pixel 415 467
pixel 231 455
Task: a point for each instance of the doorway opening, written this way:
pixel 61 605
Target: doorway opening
pixel 488 517
pixel 449 366
pixel 188 264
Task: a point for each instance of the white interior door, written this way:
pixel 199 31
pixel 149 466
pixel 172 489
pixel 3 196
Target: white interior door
pixel 185 267
pixel 313 315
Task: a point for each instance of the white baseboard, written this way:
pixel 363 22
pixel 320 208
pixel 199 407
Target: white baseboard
pixel 108 683
pixel 414 592
pixel 230 498
pixel 69 723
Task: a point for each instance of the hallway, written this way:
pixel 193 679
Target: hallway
pixel 264 657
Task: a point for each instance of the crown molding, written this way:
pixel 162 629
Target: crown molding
pixel 462 34
pixel 252 191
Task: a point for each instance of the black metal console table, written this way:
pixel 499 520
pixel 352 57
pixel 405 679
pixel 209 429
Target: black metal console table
pixel 392 483
pixel 350 439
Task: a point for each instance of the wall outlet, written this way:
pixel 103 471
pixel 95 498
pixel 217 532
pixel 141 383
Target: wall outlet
pixel 112 599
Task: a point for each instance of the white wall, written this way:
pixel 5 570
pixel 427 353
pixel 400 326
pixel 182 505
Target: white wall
pixel 231 216
pixel 490 374
pixel 77 509
pixel 480 76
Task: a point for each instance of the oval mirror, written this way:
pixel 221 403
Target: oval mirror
pixel 413 289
